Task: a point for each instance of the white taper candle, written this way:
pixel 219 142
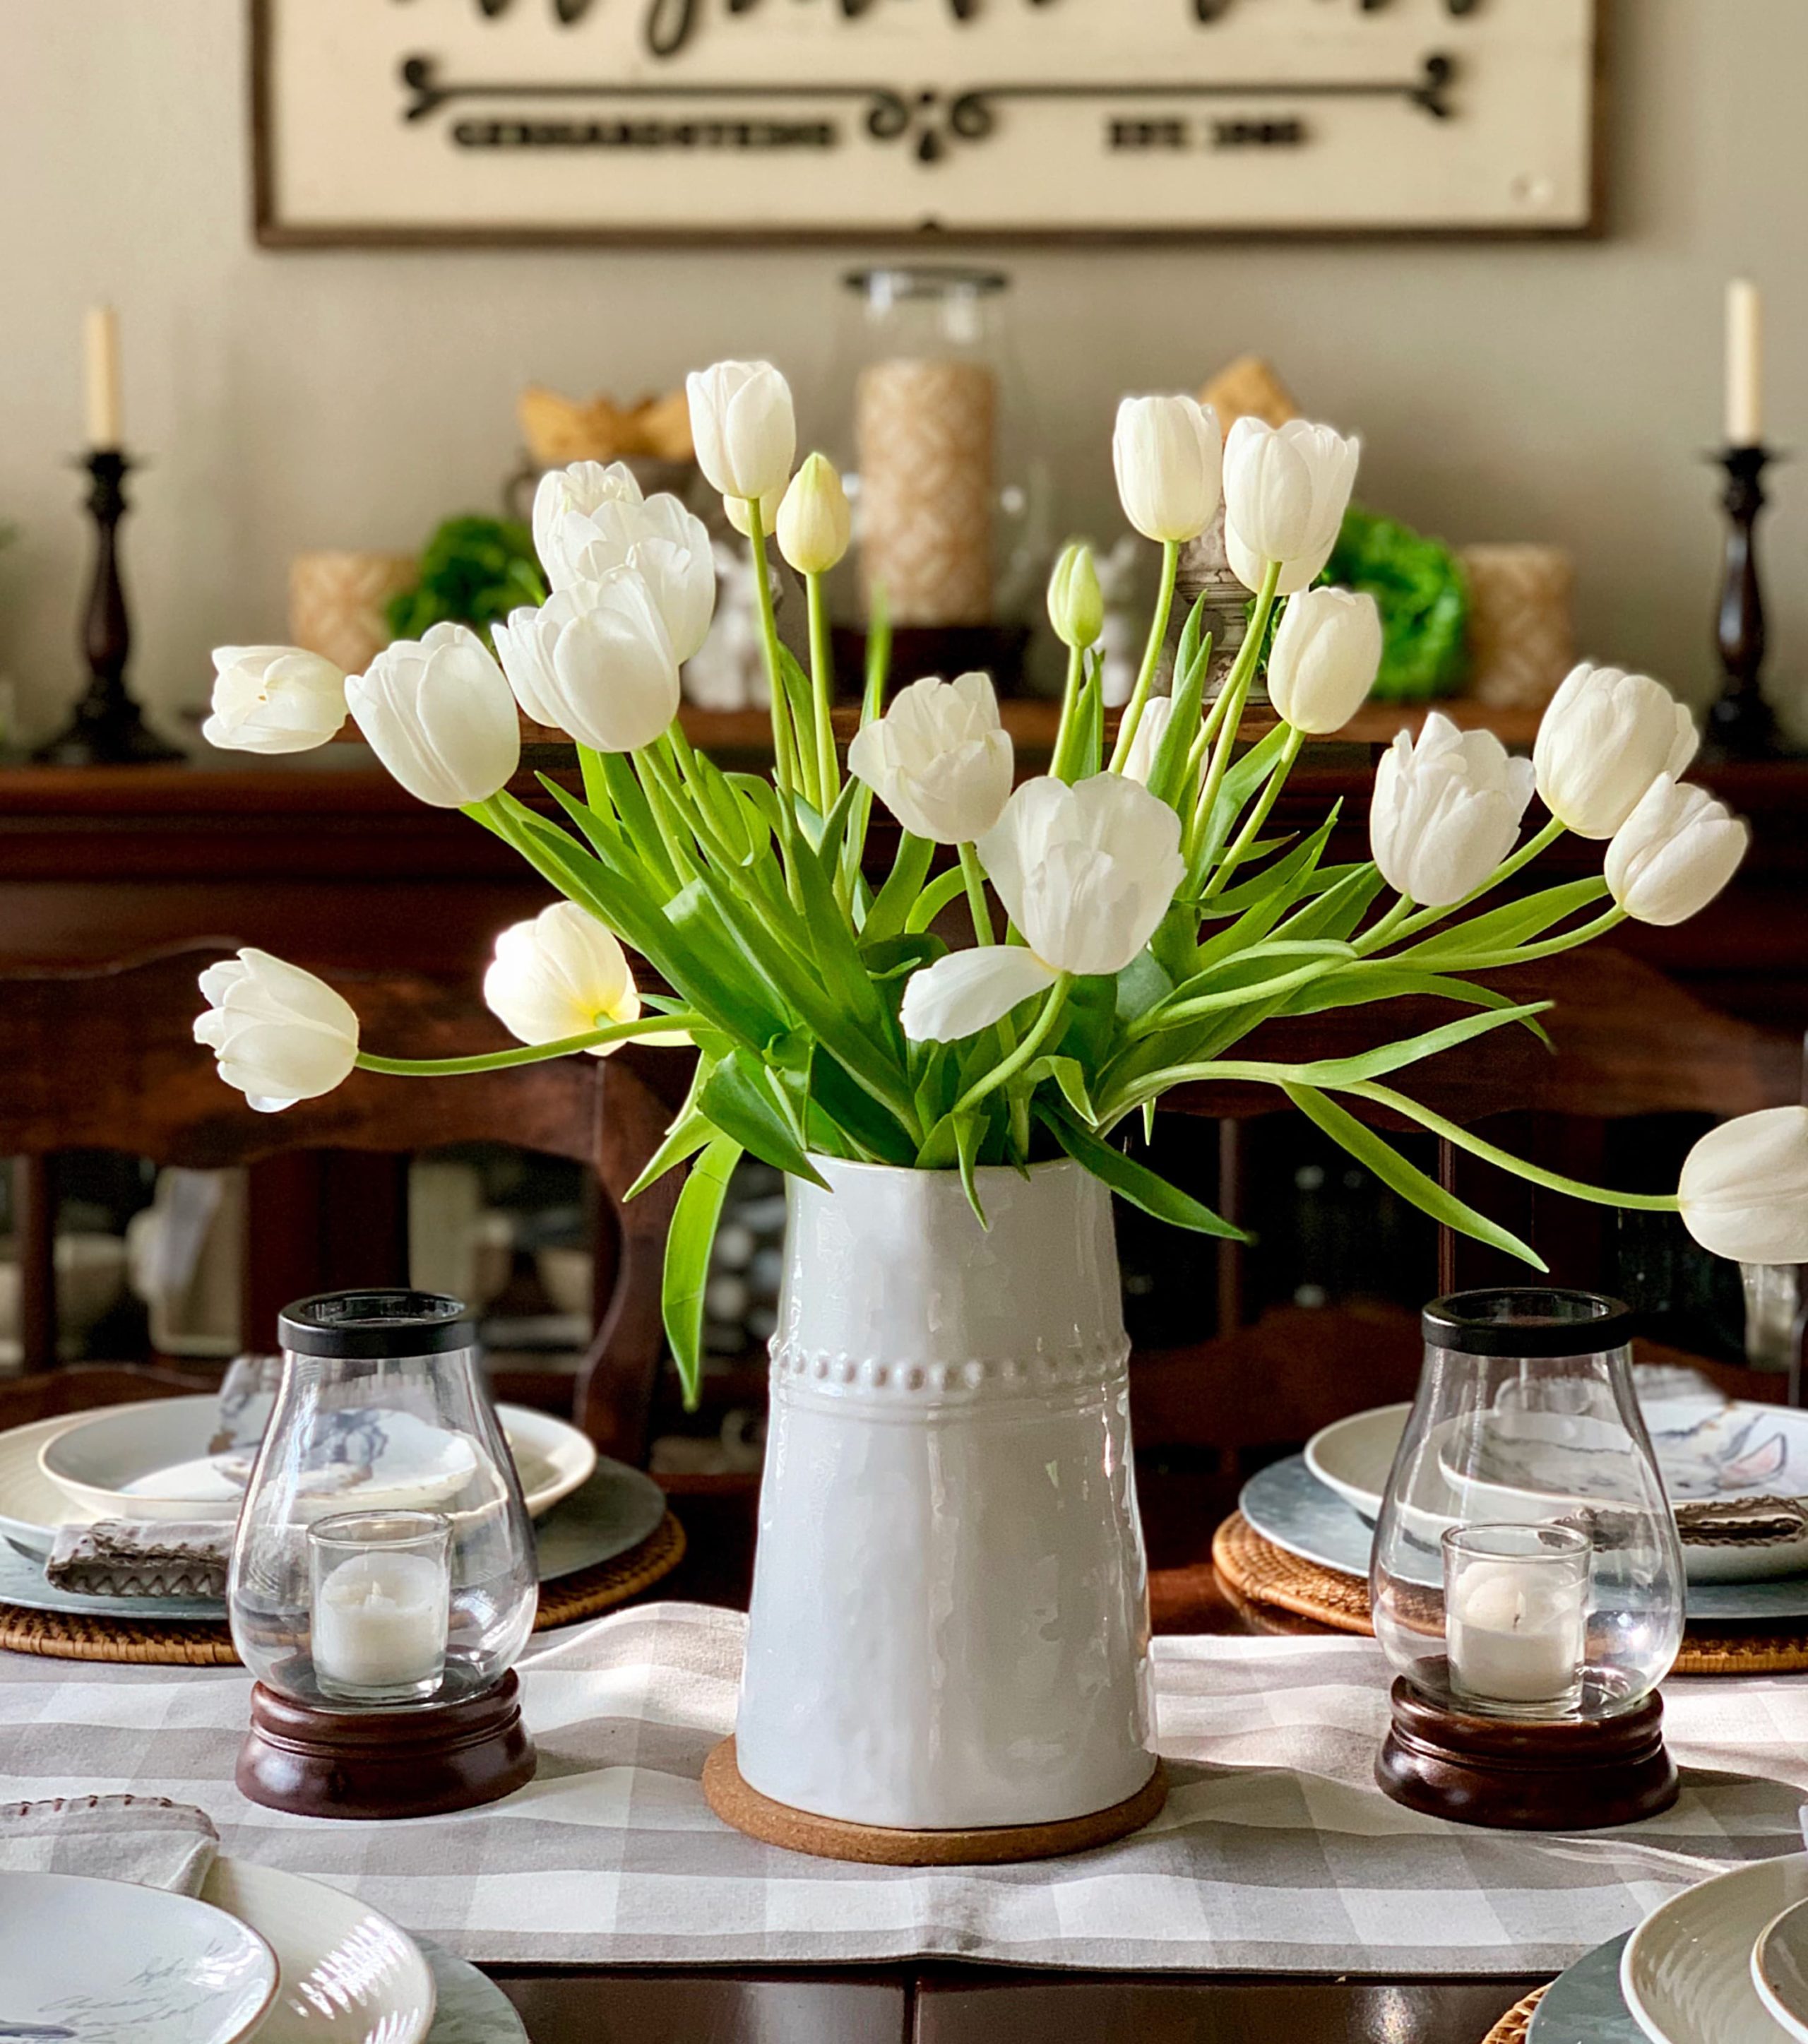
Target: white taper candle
pixel 1744 364
pixel 102 335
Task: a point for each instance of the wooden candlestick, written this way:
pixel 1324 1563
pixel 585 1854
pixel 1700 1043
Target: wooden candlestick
pixel 420 1761
pixel 1740 722
pixel 1570 1774
pixel 108 727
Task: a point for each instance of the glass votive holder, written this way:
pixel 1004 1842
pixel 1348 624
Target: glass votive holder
pixel 381 1605
pixel 1516 1602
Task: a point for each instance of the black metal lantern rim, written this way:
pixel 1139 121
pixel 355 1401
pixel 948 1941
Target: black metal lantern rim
pixel 377 1322
pixel 1528 1320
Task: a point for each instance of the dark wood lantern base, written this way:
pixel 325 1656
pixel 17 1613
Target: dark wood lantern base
pixel 1574 1775
pixel 420 1762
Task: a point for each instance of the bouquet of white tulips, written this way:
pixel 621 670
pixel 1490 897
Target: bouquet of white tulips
pixel 1149 923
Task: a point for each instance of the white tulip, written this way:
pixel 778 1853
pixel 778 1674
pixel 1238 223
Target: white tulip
pixel 1076 601
pixel 939 759
pixel 1168 455
pixel 595 661
pixel 1326 654
pixel 274 699
pixel 1139 762
pixel 816 521
pixel 279 1034
pixel 438 713
pixel 1445 813
pixel 1286 488
pixel 578 491
pixel 562 975
pixel 1743 1189
pixel 745 427
pixel 669 545
pixel 1674 853
pixel 1604 739
pixel 1085 873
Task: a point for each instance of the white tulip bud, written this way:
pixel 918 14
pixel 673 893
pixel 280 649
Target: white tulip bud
pixel 1085 873
pixel 1326 655
pixel 1674 853
pixel 1604 738
pixel 1168 455
pixel 939 759
pixel 1445 813
pixel 439 714
pixel 279 1034
pixel 1743 1189
pixel 669 546
pixel 274 699
pixel 1286 488
pixel 562 975
pixel 1077 603
pixel 595 661
pixel 815 522
pixel 744 426
pixel 1139 762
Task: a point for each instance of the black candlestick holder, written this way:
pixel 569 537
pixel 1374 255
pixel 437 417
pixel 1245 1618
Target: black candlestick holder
pixel 1742 722
pixel 108 727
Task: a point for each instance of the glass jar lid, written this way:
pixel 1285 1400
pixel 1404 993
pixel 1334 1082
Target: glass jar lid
pixel 1528 1320
pixel 377 1322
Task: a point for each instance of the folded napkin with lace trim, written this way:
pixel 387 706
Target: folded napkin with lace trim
pixel 124 1559
pixel 145 1839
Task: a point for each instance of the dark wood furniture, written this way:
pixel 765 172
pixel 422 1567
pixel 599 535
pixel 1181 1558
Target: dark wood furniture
pixel 107 1058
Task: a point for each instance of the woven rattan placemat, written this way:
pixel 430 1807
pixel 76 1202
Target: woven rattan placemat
pixel 1512 2027
pixel 67 1636
pixel 1258 1572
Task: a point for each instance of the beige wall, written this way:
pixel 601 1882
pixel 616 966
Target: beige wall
pixel 300 400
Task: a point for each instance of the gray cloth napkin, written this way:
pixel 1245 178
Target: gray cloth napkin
pixel 123 1557
pixel 144 1839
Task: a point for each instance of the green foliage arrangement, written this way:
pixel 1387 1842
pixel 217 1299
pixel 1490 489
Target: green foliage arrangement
pixel 1424 600
pixel 473 571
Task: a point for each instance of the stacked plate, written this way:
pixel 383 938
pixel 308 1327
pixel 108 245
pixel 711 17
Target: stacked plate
pixel 86 1961
pixel 1723 1963
pixel 1714 1453
pixel 155 1461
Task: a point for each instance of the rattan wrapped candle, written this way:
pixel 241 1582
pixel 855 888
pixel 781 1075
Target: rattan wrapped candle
pixel 926 431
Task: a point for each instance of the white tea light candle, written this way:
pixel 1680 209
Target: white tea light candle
pixel 1516 1614
pixel 1744 364
pixel 382 1605
pixel 101 350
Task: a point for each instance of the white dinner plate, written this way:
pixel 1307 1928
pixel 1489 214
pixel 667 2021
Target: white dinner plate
pixel 1686 1972
pixel 554 1459
pixel 86 1961
pixel 347 1975
pixel 1779 1969
pixel 1709 1451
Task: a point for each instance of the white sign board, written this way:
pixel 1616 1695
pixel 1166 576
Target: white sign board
pixel 857 120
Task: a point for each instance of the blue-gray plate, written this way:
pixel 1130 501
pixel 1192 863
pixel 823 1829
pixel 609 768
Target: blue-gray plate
pixel 1585 2006
pixel 1285 1504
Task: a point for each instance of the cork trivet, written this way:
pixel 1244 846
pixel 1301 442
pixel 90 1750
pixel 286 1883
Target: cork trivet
pixel 142 1642
pixel 874 1844
pixel 1512 2026
pixel 1254 1570
pixel 924 432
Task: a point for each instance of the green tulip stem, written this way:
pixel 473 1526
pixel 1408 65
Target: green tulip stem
pixel 1064 736
pixel 530 1053
pixel 1008 1068
pixel 1239 849
pixel 974 874
pixel 1152 655
pixel 1528 954
pixel 783 743
pixel 822 678
pixel 1234 695
pixel 1388 928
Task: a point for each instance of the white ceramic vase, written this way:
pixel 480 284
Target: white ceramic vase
pixel 949 1623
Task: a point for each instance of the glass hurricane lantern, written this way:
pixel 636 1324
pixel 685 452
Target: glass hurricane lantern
pixel 384 1489
pixel 1527 1581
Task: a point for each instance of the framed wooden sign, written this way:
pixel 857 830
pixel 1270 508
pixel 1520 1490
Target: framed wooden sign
pixel 409 121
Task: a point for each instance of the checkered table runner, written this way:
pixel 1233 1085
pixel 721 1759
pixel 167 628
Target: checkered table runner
pixel 1275 1852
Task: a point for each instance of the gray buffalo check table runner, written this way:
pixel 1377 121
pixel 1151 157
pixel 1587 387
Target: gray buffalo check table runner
pixel 1275 1852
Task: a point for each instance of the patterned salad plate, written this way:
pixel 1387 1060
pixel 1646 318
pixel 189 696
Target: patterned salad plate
pixel 84 1962
pixel 1686 1972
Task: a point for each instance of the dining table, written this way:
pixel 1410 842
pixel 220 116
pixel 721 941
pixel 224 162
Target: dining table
pixel 1278 1897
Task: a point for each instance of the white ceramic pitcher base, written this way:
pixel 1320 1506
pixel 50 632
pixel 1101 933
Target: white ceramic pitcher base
pixel 949 1620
